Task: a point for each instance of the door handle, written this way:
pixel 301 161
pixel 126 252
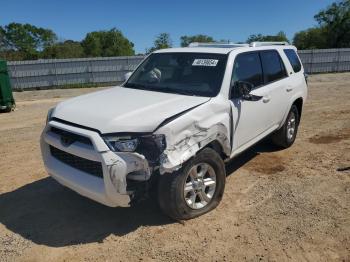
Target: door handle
pixel 266 99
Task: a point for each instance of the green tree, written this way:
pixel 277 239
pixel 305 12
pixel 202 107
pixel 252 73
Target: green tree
pixel 66 49
pixel 312 38
pixel 25 39
pixel 162 41
pixel 107 43
pixel 333 29
pixel 279 37
pixel 3 43
pixel 186 40
pixel 335 21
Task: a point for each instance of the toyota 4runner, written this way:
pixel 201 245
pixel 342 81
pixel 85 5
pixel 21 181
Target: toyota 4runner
pixel 171 125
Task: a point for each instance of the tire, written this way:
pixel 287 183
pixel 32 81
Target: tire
pixel 171 188
pixel 6 110
pixel 285 136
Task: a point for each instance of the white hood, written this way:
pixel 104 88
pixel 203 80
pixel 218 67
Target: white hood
pixel 120 109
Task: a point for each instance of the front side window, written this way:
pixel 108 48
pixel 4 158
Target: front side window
pixel 273 66
pixel 293 59
pixel 198 74
pixel 247 68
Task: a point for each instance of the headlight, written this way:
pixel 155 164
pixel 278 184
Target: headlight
pixel 49 114
pixel 122 144
pixel 149 145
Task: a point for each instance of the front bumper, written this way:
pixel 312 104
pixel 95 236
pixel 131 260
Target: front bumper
pixel 110 188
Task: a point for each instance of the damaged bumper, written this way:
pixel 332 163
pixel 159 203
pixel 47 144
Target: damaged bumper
pixel 80 160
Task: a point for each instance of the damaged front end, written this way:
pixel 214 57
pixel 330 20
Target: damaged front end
pixel 179 138
pixel 119 169
pixel 206 125
pixel 140 154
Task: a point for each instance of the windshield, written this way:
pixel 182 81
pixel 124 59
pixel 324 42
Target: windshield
pixel 198 74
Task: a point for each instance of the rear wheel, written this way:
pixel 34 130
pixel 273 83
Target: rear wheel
pixel 285 136
pixel 195 189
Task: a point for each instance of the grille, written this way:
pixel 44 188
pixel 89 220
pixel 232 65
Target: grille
pixel 88 166
pixel 71 136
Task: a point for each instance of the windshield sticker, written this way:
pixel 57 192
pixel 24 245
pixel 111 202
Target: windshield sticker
pixel 205 62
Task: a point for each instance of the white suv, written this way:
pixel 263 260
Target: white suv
pixel 172 124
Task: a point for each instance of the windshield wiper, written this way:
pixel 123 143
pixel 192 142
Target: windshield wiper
pixel 164 89
pixel 171 90
pixel 135 85
pixel 184 92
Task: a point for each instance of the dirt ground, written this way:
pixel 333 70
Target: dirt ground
pixel 278 205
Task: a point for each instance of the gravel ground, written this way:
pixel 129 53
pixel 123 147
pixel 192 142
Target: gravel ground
pixel 278 205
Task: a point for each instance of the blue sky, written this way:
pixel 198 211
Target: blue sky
pixel 141 21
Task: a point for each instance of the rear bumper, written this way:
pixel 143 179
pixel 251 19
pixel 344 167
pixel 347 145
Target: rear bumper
pixel 108 189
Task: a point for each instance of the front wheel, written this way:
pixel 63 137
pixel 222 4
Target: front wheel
pixel 195 189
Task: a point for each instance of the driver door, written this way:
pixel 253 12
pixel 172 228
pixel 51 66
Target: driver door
pixel 251 119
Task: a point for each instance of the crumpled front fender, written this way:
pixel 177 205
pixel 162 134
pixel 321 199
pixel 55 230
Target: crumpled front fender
pixel 193 131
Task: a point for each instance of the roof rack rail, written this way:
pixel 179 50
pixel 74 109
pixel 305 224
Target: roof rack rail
pixel 219 45
pixel 255 44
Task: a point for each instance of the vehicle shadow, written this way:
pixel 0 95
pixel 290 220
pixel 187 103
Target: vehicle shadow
pixel 49 214
pixel 246 156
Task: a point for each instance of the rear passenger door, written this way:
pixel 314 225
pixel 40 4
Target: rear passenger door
pixel 277 85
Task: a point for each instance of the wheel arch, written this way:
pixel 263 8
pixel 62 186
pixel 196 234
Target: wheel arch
pixel 299 104
pixel 217 147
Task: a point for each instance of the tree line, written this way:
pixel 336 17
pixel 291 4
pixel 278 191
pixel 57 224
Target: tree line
pixel 26 42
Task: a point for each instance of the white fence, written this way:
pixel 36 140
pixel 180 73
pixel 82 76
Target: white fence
pixel 59 72
pixel 325 60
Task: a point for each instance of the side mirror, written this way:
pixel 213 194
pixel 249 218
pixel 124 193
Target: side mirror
pixel 127 75
pixel 243 90
pixel 306 77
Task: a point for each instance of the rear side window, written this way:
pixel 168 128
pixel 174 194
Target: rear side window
pixel 273 66
pixel 293 59
pixel 247 68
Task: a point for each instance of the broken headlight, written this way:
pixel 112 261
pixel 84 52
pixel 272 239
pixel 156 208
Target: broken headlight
pixel 150 145
pixel 121 144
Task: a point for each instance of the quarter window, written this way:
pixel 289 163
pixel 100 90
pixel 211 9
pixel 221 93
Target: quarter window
pixel 293 59
pixel 247 68
pixel 273 66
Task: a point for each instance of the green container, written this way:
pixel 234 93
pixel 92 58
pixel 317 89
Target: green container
pixel 7 103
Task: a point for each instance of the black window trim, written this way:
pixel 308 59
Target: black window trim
pixel 296 54
pixel 262 68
